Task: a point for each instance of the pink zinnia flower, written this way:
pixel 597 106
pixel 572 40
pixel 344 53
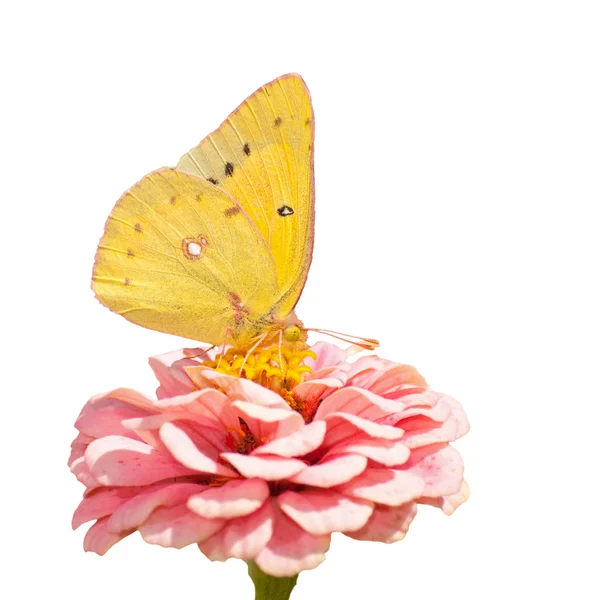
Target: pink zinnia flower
pixel 267 476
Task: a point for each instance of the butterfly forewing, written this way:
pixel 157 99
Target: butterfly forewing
pixel 262 155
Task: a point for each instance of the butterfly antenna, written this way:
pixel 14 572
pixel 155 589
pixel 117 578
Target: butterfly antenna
pixel 362 342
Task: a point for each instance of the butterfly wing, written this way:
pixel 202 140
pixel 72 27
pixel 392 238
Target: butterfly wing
pixel 262 155
pixel 180 256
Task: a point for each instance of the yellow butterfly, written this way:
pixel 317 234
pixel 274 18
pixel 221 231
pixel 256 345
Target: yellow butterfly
pixel 218 248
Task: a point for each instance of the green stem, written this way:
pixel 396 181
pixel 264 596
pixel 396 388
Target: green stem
pixel 268 587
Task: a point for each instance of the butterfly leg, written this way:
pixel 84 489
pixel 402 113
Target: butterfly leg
pixel 258 343
pixel 193 353
pixel 227 333
pixel 280 355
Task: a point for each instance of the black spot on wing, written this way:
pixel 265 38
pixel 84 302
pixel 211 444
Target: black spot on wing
pixel 229 169
pixel 285 210
pixel 247 149
pixel 277 122
pixel 213 180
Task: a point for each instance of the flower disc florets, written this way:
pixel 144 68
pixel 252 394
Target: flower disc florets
pixel 277 367
pixel 267 473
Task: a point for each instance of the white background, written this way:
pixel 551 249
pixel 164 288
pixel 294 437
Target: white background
pixel 457 171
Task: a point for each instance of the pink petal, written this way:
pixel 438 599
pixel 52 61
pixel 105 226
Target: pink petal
pixel 365 374
pixel 103 417
pixel 422 431
pixel 310 392
pixel 384 486
pixel 101 503
pixel 181 446
pixel 450 503
pixel 397 377
pixel 176 527
pixel 134 512
pixel 328 355
pixel 117 460
pixel 239 389
pixel 77 463
pixel 387 452
pixel 127 396
pixel 210 438
pixel 359 402
pixel 387 524
pixel 241 538
pixel 341 426
pixel 333 471
pixel 169 369
pixel 338 372
pixel 210 404
pixel 299 443
pixel 267 423
pixel 291 549
pixel 269 468
pixel 99 540
pixel 236 498
pixel 323 512
pixel 439 412
pixel 439 466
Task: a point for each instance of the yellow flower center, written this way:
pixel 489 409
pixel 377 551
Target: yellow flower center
pixel 277 367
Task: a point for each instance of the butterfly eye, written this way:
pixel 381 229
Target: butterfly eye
pixel 292 333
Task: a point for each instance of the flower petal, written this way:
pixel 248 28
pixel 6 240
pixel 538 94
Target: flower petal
pixel 241 538
pixel 209 403
pixel 101 503
pixel 390 453
pixel 299 443
pixel 358 402
pixel 181 446
pixel 291 549
pixel 439 466
pixel 236 498
pixel 323 512
pixel 169 369
pixel 122 461
pixel 385 486
pixel 332 471
pixel 387 524
pixel 267 423
pixel 99 540
pixel 176 527
pixel 450 503
pixel 269 468
pixel 135 511
pixel 103 416
pixel 342 426
pixel 396 378
pixel 328 355
pixel 236 388
pixel 310 392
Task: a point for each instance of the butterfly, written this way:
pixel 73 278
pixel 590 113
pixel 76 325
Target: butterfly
pixel 218 248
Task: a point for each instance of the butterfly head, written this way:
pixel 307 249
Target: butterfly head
pixel 293 333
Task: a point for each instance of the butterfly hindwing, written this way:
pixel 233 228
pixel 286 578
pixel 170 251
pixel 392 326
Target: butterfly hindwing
pixel 262 155
pixel 180 256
